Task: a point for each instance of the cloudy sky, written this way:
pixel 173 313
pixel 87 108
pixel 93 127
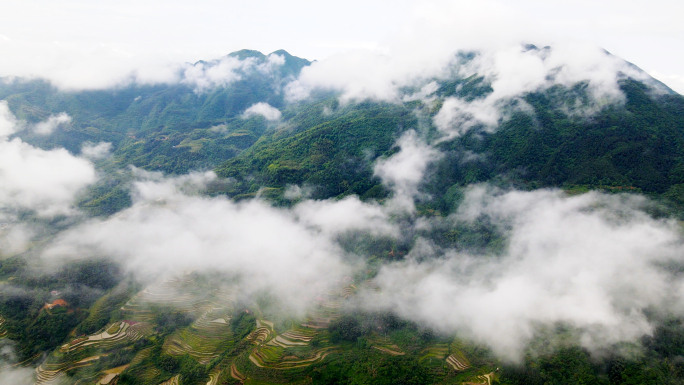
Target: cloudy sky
pixel 96 44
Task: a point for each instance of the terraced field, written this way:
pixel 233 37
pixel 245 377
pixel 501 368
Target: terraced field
pixel 81 352
pixel 121 332
pixel 438 352
pixel 53 373
pixel 214 376
pixel 172 381
pixel 146 374
pixel 204 340
pixel 348 291
pixel 166 293
pixel 323 314
pixel 291 349
pixel 236 374
pixel 457 359
pixel 263 332
pixel 273 357
pixel 485 379
pixel 266 355
pixel 111 374
pixel 296 336
pixel 386 346
pixel 3 331
pixel 140 356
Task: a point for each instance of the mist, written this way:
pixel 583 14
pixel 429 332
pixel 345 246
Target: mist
pixel 10 374
pixel 602 264
pixel 56 175
pixel 290 253
pixel 595 262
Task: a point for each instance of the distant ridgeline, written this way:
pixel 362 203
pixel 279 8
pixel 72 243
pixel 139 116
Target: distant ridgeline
pixel 199 123
pixel 94 324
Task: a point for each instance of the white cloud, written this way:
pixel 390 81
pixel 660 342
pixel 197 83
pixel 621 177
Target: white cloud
pixel 593 261
pixel 45 181
pixel 204 76
pixel 457 116
pixel 35 179
pixel 294 192
pixel 422 50
pixel 511 71
pixel 359 74
pixel 96 151
pixel 348 214
pixel 403 172
pixel 8 122
pixel 514 71
pixel 16 376
pixel 54 121
pixel 426 93
pixel 104 44
pixel 263 109
pixel 14 237
pixel 289 252
pixel 10 374
pixel 273 61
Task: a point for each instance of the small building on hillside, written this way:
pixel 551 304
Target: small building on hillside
pixel 57 302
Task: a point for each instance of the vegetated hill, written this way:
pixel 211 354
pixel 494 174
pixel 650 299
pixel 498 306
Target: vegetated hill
pixel 177 128
pixel 635 145
pixel 196 329
pixel 169 113
pixel 335 154
pixel 638 145
pixel 193 330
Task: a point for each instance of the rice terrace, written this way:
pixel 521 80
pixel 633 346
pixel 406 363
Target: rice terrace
pixel 404 192
pixel 214 335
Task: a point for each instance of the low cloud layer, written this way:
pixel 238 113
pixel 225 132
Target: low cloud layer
pixel 403 172
pixel 593 261
pixel 203 76
pixel 35 179
pixel 96 151
pixel 511 70
pixel 9 373
pixel 291 253
pixel 54 121
pixel 518 70
pixel 262 109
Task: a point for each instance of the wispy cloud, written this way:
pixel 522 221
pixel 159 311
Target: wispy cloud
pixel 594 262
pixel 36 179
pixel 54 121
pixel 404 171
pixel 96 151
pixel 262 109
pixel 204 76
pixel 290 253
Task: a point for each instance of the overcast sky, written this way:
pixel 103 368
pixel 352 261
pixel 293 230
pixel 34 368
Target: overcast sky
pixel 91 44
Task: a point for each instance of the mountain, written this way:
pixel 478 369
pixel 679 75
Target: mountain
pixel 232 116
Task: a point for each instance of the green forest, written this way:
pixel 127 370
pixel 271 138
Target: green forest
pixel 91 320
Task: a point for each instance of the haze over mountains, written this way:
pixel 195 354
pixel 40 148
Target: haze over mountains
pixel 500 215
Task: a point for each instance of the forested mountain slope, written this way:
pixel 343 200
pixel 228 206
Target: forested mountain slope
pixel 218 195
